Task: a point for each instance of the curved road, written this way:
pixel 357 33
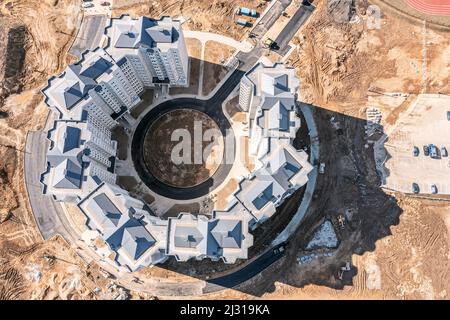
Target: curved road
pixel 247 272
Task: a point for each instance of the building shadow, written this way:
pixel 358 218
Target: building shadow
pixel 349 187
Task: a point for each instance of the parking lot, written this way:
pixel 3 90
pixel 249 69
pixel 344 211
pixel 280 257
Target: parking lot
pixel 424 123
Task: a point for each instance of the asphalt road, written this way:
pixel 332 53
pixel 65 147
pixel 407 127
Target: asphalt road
pixel 247 272
pixel 298 19
pixel 270 17
pixel 48 213
pixel 89 35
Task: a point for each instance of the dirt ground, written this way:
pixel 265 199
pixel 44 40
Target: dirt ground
pixel 160 143
pixel 34 39
pixel 216 54
pixel 398 246
pixel 212 16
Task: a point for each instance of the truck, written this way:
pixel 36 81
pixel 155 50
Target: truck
pixel 268 43
pixel 246 12
pixel 242 22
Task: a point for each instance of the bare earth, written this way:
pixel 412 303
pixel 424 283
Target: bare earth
pixel 159 145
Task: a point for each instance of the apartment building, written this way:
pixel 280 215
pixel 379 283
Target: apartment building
pixel 134 236
pixel 154 49
pixel 224 237
pixel 80 157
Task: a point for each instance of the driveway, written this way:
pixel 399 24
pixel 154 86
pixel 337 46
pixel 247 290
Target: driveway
pixel 298 19
pixel 89 35
pixel 247 272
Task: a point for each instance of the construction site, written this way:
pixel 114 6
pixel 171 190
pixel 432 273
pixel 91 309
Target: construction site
pixel 374 74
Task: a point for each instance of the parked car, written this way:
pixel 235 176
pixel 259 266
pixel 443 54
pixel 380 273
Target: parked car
pixel 433 151
pixel 426 151
pixel 415 188
pixel 415 151
pixel 87 5
pixel 444 152
pixel 448 115
pixel 434 189
pixel 105 3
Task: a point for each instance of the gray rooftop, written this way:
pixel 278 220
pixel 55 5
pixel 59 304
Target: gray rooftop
pixel 67 175
pixel 274 84
pixel 187 237
pixel 130 33
pixel 228 233
pixel 108 208
pixel 133 238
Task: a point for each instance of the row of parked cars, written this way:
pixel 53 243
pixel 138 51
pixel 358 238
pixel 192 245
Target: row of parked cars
pixel 431 150
pixel 416 189
pixel 434 152
pixel 89 4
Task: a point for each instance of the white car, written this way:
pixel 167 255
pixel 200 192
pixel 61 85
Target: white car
pixel 87 5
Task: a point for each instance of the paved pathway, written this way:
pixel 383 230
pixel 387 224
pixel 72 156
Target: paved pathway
pixel 243 46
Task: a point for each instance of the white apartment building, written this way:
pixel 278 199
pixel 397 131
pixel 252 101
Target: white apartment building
pixel 80 157
pixel 134 236
pixel 268 94
pixel 95 85
pixel 225 237
pixel 154 49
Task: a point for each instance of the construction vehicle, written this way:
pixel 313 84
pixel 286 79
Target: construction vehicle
pixel 341 220
pixel 246 12
pixel 269 43
pixel 343 269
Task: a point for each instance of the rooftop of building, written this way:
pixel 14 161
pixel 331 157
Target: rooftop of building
pixel 126 34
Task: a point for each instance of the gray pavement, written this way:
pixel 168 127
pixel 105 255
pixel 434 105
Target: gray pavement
pixel 298 19
pixel 89 35
pixel 247 272
pixel 270 17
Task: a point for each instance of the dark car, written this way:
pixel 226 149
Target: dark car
pixel 448 115
pixel 415 188
pixel 434 189
pixel 433 151
pixel 426 150
pixel 415 151
pixel 444 152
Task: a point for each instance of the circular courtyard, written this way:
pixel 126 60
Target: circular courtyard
pixel 183 148
pixel 178 148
